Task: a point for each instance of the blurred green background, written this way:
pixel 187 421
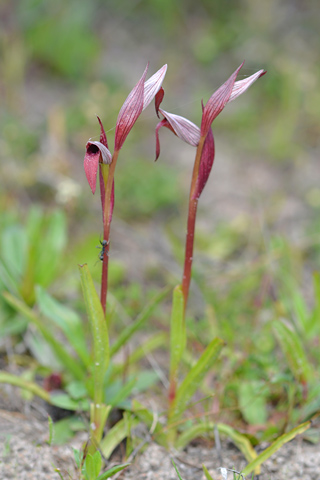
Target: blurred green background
pixel 64 62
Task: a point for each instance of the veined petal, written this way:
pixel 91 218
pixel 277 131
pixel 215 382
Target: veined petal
pixel 217 102
pixel 130 111
pixel 206 163
pixel 242 85
pixel 153 85
pixel 91 161
pixel 183 128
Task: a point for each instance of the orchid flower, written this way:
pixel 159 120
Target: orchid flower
pixel 98 154
pixel 192 134
pixel 138 99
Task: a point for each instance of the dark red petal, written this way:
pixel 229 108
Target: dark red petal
pixel 130 111
pixel 163 123
pixel 206 163
pixel 217 102
pixel 158 100
pixel 91 162
pixel 103 136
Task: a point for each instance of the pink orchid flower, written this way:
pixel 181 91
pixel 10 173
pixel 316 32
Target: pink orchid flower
pixel 138 99
pixel 191 133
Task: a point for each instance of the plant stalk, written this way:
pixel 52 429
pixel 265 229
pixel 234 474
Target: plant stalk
pixel 192 213
pixel 108 182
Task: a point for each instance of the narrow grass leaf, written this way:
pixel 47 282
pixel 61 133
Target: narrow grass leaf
pixel 177 331
pixel 193 379
pixel 66 319
pixel 207 428
pixel 293 350
pixel 99 332
pixel 115 436
pixel 25 384
pixel 274 447
pixel 112 471
pixel 207 474
pixel 69 363
pixel 131 329
pixel 176 469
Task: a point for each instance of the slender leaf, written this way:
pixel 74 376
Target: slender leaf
pixel 99 332
pixel 61 353
pixel 131 329
pixel 67 320
pixel 112 471
pixel 115 436
pixel 177 331
pixel 293 350
pixel 274 447
pixel 207 428
pixel 25 384
pixel 193 379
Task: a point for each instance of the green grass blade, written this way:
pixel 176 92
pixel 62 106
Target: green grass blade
pixel 66 319
pixel 115 436
pixel 99 332
pixel 127 333
pixel 274 447
pixel 177 331
pixel 195 376
pixel 293 350
pixel 68 362
pixel 25 384
pixel 112 471
pixel 207 428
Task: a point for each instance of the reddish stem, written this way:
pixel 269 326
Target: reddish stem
pixel 193 204
pixel 106 231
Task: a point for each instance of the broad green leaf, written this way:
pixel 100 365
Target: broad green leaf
pixel 293 350
pixel 112 471
pixel 65 429
pixel 115 436
pixel 99 332
pixel 14 248
pixel 69 363
pixel 62 400
pixel 252 401
pixel 65 318
pixel 92 465
pixel 193 379
pixel 25 384
pixel 177 331
pixel 131 329
pixel 274 447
